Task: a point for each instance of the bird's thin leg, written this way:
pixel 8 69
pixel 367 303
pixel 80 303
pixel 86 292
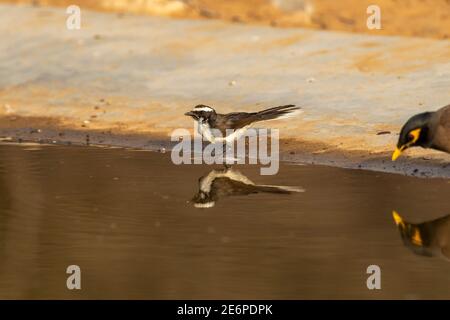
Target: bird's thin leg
pixel 224 155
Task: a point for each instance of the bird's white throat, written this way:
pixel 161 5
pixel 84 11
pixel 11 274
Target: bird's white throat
pixel 214 135
pixel 245 145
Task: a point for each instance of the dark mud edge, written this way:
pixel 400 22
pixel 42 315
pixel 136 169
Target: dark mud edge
pixel 48 131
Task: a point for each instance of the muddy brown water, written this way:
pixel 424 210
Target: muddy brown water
pixel 128 220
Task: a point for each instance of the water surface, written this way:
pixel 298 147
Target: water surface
pixel 129 219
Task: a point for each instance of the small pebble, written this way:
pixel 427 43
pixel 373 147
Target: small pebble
pixel 236 19
pixel 8 108
pixel 225 239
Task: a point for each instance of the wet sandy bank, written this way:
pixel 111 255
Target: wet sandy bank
pixel 51 131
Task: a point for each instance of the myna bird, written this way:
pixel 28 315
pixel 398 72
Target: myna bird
pixel 229 182
pixel 208 119
pixel 426 130
pixel 430 238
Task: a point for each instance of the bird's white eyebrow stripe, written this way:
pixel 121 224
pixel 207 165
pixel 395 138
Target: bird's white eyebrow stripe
pixel 202 109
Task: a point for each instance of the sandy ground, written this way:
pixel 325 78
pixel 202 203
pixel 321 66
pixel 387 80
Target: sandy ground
pixel 127 80
pixel 420 18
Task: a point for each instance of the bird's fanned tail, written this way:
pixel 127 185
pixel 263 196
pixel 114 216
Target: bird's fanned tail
pixel 277 112
pixel 279 189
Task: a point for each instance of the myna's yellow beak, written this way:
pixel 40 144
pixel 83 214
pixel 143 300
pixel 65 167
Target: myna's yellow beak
pixel 398 220
pixel 396 154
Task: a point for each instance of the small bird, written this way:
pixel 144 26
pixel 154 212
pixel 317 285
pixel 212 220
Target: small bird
pixel 430 238
pixel 426 130
pixel 208 119
pixel 230 182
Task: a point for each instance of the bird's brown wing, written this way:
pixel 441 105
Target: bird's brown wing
pixel 444 116
pixel 230 187
pixel 441 139
pixel 436 233
pixel 235 120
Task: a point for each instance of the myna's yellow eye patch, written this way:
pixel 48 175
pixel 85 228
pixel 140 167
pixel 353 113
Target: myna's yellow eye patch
pixel 417 238
pixel 414 135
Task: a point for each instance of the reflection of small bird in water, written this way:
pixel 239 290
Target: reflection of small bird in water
pixel 229 182
pixel 208 119
pixel 430 238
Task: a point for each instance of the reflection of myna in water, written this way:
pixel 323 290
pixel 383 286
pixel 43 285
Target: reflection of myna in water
pixel 430 238
pixel 426 130
pixel 229 182
pixel 208 119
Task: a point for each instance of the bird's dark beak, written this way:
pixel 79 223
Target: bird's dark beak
pixel 190 114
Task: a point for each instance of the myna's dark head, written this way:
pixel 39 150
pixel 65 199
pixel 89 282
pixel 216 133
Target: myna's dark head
pixel 414 133
pixel 202 112
pixel 412 235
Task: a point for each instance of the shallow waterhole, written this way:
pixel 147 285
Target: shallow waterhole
pixel 129 220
